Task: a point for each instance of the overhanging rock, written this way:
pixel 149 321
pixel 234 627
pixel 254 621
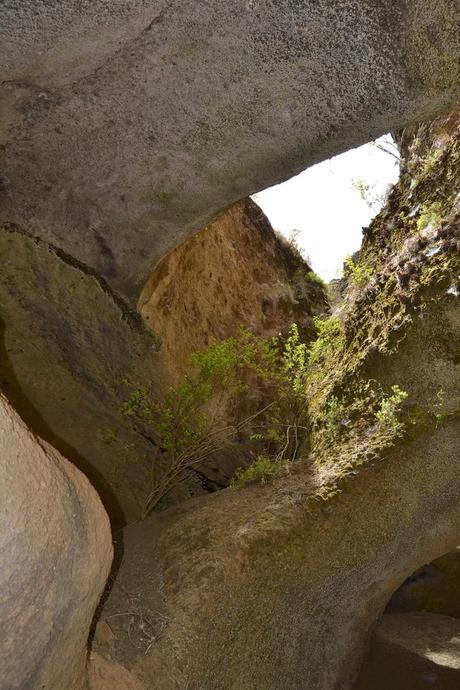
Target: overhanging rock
pixel 123 130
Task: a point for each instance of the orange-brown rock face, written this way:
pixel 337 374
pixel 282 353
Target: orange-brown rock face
pixel 236 272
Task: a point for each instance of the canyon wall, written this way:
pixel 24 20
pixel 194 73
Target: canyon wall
pixel 236 273
pixel 123 131
pixel 281 585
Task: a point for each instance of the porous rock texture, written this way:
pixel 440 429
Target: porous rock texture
pixel 65 342
pixel 236 273
pixel 56 553
pixel 104 674
pixel 65 380
pixel 125 128
pixel 280 586
pixel 272 588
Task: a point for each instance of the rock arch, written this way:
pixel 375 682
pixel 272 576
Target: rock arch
pixel 117 148
pixel 122 131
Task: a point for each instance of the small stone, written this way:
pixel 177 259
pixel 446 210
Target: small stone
pixel 103 633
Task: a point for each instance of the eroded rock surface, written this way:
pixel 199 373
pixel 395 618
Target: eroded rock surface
pixel 236 273
pixel 281 586
pixel 413 651
pixel 124 130
pixel 56 553
pixel 282 591
pixel 65 342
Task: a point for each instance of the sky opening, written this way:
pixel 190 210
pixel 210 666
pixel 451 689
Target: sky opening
pixel 329 203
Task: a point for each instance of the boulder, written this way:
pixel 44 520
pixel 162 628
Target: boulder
pixel 56 553
pixel 66 341
pixel 273 587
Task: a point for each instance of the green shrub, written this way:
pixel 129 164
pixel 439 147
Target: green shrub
pixel 429 214
pixel 359 273
pixel 330 335
pixel 313 277
pixel 203 412
pixel 261 471
pixel 389 408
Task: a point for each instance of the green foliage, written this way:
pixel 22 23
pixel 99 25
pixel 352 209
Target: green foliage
pixel 335 412
pixel 352 421
pixel 330 336
pixel 389 408
pixel 294 361
pixel 108 435
pixel 368 193
pixel 361 186
pixel 293 241
pixel 430 214
pixel 183 417
pixel 360 274
pixel 313 277
pixel 135 405
pixel 430 162
pixel 297 251
pixel 262 470
pixel 204 411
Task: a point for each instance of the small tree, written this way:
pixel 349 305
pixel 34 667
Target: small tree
pixel 239 385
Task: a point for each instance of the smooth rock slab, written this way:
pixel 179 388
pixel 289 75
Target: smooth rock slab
pixel 55 555
pixel 413 651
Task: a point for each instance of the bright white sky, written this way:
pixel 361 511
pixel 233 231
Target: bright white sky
pixel 322 203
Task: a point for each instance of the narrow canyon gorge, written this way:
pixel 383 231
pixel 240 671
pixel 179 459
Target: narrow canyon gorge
pixel 216 470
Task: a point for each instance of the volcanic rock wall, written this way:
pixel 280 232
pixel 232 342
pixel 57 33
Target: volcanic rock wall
pixel 310 561
pixel 235 273
pixel 123 130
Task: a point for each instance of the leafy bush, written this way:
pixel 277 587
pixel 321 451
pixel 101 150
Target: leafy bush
pixel 360 274
pixel 262 470
pixel 330 334
pixel 204 411
pixel 389 407
pixel 429 215
pixel 313 277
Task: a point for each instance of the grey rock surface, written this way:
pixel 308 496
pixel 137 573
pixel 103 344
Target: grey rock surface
pixel 65 343
pixel 125 127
